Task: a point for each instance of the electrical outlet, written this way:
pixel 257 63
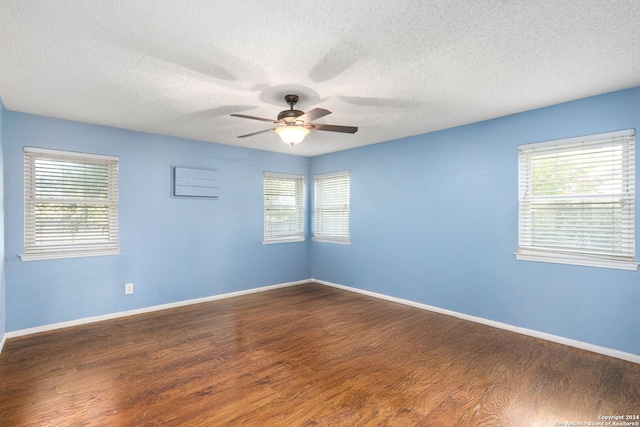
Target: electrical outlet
pixel 128 288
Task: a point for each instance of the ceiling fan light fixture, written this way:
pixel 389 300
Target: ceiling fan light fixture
pixel 292 134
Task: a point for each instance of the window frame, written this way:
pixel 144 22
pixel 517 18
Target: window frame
pixel 624 258
pixel 320 206
pixel 298 206
pixel 65 247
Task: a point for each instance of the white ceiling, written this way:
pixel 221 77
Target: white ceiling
pixel 393 68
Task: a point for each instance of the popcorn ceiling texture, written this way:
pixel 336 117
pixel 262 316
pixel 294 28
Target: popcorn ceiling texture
pixel 392 68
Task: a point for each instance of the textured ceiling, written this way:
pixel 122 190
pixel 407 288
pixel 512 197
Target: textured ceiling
pixel 393 68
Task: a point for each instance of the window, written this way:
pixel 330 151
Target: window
pixel 70 204
pixel 577 201
pixel 331 216
pixel 283 210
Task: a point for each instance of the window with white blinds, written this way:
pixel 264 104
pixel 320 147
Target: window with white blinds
pixel 70 204
pixel 331 214
pixel 283 208
pixel 577 201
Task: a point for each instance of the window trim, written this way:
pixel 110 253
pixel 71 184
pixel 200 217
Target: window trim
pixel 328 238
pixel 528 253
pixel 298 237
pixel 31 250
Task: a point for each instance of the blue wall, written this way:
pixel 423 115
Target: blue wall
pixel 434 220
pixel 3 285
pixel 171 249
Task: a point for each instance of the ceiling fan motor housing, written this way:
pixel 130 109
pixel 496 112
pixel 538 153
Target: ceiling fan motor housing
pixel 289 115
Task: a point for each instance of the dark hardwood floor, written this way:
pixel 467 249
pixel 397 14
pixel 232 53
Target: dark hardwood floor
pixel 308 355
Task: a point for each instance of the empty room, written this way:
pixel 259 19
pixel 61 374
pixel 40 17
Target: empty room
pixel 338 213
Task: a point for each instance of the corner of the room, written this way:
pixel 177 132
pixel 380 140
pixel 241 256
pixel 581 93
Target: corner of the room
pixel 3 299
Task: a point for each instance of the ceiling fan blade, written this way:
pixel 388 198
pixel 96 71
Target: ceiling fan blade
pixel 255 133
pixel 244 116
pixel 334 128
pixel 314 114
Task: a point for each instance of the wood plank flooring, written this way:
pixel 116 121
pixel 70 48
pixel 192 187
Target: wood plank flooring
pixel 307 355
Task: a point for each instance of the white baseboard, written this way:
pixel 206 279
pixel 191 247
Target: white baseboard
pixel 83 321
pixel 530 332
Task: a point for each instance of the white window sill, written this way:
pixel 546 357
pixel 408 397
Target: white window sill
pixel 575 260
pixel 271 242
pixel 330 240
pixel 68 254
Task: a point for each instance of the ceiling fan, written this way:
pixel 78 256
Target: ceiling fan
pixel 294 125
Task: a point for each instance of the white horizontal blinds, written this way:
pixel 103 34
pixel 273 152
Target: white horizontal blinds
pixel 283 209
pixel 71 203
pixel 332 207
pixel 578 196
